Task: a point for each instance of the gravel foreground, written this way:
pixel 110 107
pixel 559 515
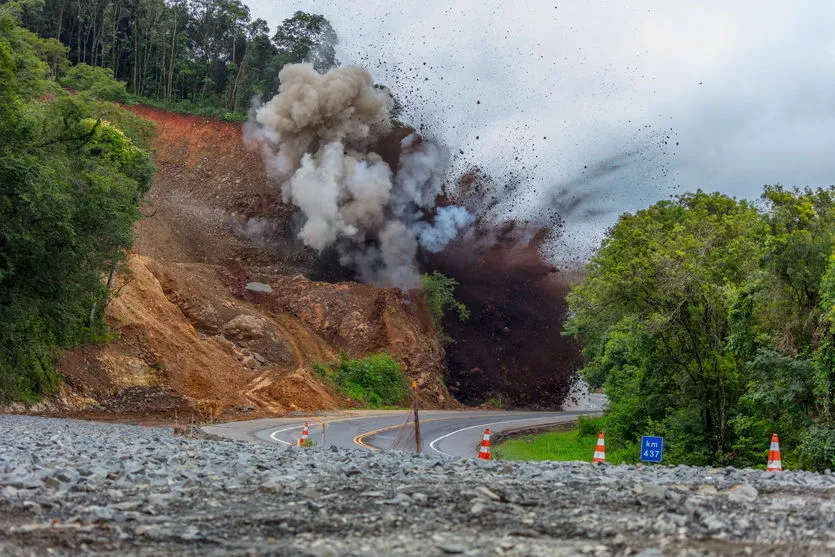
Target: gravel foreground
pixel 79 488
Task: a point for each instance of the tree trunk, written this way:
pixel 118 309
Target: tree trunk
pixel 170 86
pixel 114 38
pixel 135 40
pixel 93 33
pixel 60 19
pixel 78 37
pixel 111 275
pixel 241 72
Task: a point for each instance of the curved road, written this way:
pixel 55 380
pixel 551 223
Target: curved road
pixel 446 433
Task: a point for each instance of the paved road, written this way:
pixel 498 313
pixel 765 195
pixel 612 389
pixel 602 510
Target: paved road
pixel 444 432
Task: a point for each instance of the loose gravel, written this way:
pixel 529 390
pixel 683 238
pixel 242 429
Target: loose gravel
pixel 78 488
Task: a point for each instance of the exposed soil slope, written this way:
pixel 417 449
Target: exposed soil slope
pixel 159 346
pixel 190 336
pixel 211 201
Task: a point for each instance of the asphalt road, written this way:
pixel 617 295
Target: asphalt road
pixel 446 433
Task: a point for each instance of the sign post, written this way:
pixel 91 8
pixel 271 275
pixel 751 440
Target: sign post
pixel 418 441
pixel 652 448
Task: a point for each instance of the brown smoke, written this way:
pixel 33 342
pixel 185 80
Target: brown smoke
pixel 512 346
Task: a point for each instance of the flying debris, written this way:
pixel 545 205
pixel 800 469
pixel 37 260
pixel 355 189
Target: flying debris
pixel 319 138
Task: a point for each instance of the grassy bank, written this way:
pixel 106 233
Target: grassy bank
pixel 576 444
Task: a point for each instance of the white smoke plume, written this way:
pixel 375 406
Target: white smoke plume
pixel 317 137
pixel 447 224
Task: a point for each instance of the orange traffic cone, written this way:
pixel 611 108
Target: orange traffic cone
pixel 600 450
pixel 484 451
pixel 305 439
pixel 774 462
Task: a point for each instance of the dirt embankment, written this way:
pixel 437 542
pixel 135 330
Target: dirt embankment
pixel 211 201
pixel 191 338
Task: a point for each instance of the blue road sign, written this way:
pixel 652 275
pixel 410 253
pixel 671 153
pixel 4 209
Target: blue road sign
pixel 652 449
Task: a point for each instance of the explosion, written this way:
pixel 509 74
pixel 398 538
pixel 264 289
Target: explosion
pixel 511 349
pixel 317 137
pixel 373 191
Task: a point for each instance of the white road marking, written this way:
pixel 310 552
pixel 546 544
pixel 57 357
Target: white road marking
pixel 276 432
pixel 432 445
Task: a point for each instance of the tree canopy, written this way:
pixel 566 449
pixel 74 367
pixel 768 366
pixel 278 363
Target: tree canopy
pixel 708 320
pixel 73 170
pixel 194 55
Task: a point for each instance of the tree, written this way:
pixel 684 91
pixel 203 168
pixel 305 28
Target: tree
pixel 711 321
pixel 98 82
pixel 191 54
pixel 70 185
pixel 307 38
pixel 652 316
pixel 781 328
pixel 439 293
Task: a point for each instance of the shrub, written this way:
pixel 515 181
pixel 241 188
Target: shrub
pixel 186 106
pixel 98 82
pixel 376 380
pixel 589 427
pixel 439 290
pixel 817 451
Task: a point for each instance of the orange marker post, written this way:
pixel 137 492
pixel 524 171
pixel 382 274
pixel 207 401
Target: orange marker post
pixel 600 449
pixel 305 439
pixel 484 451
pixel 775 463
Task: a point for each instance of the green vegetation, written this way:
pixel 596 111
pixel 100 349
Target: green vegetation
pixel 207 57
pixel 73 170
pixel 98 82
pixel 710 321
pixel 375 381
pixel 495 401
pixel 439 291
pixel 577 444
pixel 187 106
pixel 567 445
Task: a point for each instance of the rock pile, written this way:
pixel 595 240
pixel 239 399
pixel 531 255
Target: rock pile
pixel 70 488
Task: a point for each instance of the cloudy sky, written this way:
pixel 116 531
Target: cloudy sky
pixel 615 104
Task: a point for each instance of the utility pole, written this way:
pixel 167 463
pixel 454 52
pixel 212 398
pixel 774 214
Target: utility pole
pixel 418 443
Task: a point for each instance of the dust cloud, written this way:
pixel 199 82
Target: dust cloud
pixel 317 137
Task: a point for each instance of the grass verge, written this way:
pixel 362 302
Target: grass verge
pixel 575 445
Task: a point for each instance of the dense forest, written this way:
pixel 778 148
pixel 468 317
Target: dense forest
pixel 73 169
pixel 711 321
pixel 205 56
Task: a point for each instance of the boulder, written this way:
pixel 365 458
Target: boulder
pixel 244 328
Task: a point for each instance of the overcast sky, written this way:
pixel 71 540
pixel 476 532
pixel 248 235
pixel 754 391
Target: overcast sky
pixel 580 97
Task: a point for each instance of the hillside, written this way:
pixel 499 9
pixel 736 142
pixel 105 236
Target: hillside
pixel 190 336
